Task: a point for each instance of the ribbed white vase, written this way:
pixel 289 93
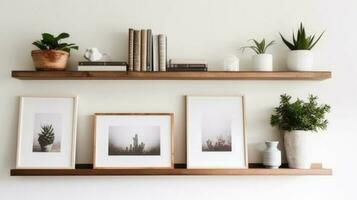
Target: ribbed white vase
pixel 272 155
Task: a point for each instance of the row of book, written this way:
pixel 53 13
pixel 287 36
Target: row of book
pixel 146 52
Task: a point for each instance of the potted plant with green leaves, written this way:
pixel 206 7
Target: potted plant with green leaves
pixel 53 54
pixel 298 120
pixel 261 60
pixel 301 58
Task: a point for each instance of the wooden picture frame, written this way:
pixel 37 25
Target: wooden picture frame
pixel 191 164
pixel 169 163
pixel 47 109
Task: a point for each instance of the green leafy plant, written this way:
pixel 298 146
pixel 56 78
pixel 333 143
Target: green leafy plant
pixel 50 42
pixel 258 47
pixel 47 135
pixel 300 115
pixel 302 41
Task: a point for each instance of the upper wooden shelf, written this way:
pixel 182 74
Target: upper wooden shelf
pixel 253 170
pixel 211 75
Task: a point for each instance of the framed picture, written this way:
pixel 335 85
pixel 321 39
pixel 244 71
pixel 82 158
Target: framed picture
pixel 216 132
pixel 133 140
pixel 47 132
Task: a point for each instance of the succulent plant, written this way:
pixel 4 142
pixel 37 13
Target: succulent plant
pixel 47 135
pixel 50 42
pixel 302 41
pixel 258 47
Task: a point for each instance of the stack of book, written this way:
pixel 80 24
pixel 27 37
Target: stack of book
pixel 147 52
pixel 102 66
pixel 189 65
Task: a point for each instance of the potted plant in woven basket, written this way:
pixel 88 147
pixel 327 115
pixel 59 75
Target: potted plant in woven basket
pixel 298 120
pixel 53 54
pixel 301 58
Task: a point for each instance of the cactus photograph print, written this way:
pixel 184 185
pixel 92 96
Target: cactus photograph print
pixel 133 140
pixel 215 132
pixel 47 132
pixel 125 140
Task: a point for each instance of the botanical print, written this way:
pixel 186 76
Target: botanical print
pixel 130 140
pixel 47 132
pixel 216 130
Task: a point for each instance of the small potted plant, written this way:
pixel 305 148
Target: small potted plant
pixel 46 138
pixel 53 55
pixel 261 61
pixel 298 120
pixel 301 58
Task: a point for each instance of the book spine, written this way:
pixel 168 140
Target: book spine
pixel 109 63
pixel 143 44
pixel 102 68
pixel 162 52
pixel 178 69
pixel 137 50
pixel 188 65
pixel 131 50
pixel 149 50
pixel 155 53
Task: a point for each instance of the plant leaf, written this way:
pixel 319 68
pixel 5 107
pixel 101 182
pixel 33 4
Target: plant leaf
pixel 287 43
pixel 316 41
pixel 40 45
pixel 62 36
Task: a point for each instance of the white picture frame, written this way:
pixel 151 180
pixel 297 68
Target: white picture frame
pixel 133 141
pixel 59 116
pixel 216 137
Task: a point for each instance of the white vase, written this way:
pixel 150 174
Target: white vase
pixel 231 63
pixel 297 147
pixel 263 62
pixel 272 155
pixel 300 60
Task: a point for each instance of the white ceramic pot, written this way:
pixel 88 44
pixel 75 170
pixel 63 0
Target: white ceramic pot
pixel 297 147
pixel 300 60
pixel 272 155
pixel 231 63
pixel 263 62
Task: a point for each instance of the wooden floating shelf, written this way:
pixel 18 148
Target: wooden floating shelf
pixel 211 75
pixel 180 169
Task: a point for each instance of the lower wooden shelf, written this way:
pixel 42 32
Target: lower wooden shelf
pixel 254 169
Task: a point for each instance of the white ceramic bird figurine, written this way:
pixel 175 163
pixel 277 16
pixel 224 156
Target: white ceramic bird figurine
pixel 93 54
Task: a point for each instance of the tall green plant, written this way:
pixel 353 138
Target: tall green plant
pixel 302 41
pixel 300 115
pixel 50 42
pixel 258 47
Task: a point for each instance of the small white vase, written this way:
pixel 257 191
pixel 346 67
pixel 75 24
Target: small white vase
pixel 272 155
pixel 231 63
pixel 300 60
pixel 263 62
pixel 297 147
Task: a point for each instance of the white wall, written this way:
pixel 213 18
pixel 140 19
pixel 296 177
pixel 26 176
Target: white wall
pixel 205 29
